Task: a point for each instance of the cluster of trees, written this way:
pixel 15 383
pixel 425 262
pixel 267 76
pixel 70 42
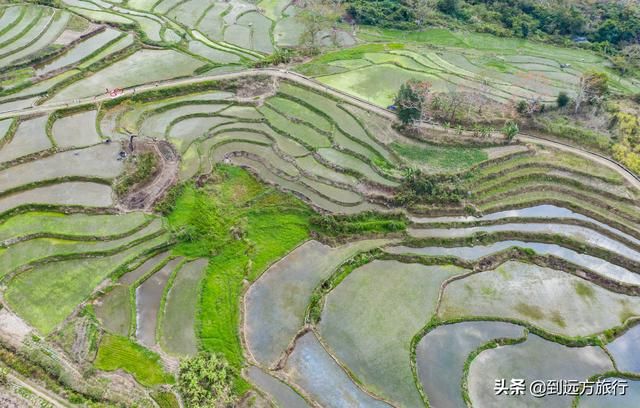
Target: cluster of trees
pixel 592 89
pixel 384 13
pixel 605 22
pixel 416 103
pixel 628 59
pixel 319 17
pixel 627 150
pixel 422 188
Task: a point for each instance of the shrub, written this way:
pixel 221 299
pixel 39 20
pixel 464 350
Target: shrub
pixel 563 99
pixel 419 187
pixel 4 373
pixel 207 380
pixel 365 222
pixel 510 130
pixel 522 106
pixel 450 7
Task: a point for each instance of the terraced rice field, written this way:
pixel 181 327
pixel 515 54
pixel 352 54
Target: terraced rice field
pixel 534 358
pixel 501 69
pixel 380 362
pixel 303 150
pixel 534 273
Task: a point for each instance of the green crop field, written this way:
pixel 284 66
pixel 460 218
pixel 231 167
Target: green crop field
pixel 286 237
pixel 503 69
pixel 121 353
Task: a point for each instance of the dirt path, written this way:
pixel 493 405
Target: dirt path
pixel 147 196
pixel 43 393
pixel 603 160
pixel 316 85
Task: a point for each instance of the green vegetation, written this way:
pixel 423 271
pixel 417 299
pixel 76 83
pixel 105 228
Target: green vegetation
pixel 510 130
pixel 441 158
pixel 409 102
pixel 607 23
pixel 46 294
pixel 418 187
pixel 627 150
pixel 344 226
pixel 207 380
pixel 117 352
pixel 165 399
pixel 242 227
pixel 367 176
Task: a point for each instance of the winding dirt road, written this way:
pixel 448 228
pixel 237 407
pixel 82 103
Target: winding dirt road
pixel 41 392
pixel 311 83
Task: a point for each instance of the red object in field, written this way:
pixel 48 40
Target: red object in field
pixel 115 92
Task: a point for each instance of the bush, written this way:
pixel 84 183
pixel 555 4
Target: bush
pixel 4 373
pixel 522 106
pixel 418 187
pixel 563 99
pixel 365 222
pixel 450 7
pixel 145 166
pixel 510 130
pixel 207 380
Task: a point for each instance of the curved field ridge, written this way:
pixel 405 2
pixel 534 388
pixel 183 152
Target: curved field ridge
pixel 471 63
pixel 441 355
pixel 581 234
pixel 354 324
pixel 535 359
pixel 82 226
pixel 99 162
pixel 71 193
pixel 563 303
pixel 76 130
pixel 624 351
pixel 30 138
pixel 178 331
pixel 369 323
pixel 142 67
pixel 598 265
pixel 543 211
pixel 313 370
pixel 629 400
pixel 47 294
pixel 148 299
pixel 275 304
pixel 281 393
pixel 42 249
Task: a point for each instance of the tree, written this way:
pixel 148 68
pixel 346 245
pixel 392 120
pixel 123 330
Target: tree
pixel 563 99
pixel 627 59
pixel 450 7
pixel 632 54
pixel 400 14
pixel 592 88
pixel 206 381
pixel 412 101
pixel 318 16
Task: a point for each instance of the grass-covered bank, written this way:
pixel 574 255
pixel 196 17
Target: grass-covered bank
pixel 242 226
pixel 119 352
